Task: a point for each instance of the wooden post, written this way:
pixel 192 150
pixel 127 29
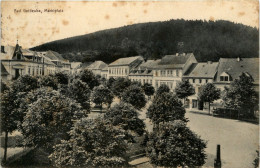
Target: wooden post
pixel 217 162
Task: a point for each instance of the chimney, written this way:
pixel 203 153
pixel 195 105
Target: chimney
pixel 209 62
pixel 238 59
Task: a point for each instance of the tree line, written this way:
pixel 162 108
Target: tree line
pixel 208 40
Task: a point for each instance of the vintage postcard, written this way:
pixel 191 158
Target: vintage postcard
pixel 130 83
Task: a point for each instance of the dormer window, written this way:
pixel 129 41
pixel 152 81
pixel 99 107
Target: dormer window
pixel 224 77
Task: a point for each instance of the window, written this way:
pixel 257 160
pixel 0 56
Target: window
pixel 200 80
pixel 177 72
pixel 18 56
pixel 224 77
pixel 206 80
pixel 193 80
pixel 29 71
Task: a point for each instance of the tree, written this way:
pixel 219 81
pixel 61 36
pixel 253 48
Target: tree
pixel 25 83
pixel 62 78
pixel 49 119
pixel 184 89
pixel 119 86
pixel 164 108
pixel 148 89
pixel 3 87
pixel 9 116
pixel 125 116
pixel 135 96
pixel 79 91
pixel 241 96
pixel 110 82
pixel 162 89
pixel 173 144
pixel 102 95
pixel 89 78
pixel 92 143
pixel 209 93
pixel 49 81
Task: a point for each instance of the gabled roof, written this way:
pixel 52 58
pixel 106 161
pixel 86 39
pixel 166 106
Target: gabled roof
pixel 9 52
pixel 174 61
pixel 235 68
pixel 202 70
pixel 85 65
pixel 27 52
pixel 54 55
pixel 3 70
pixel 97 65
pixel 75 65
pixel 149 64
pixel 126 61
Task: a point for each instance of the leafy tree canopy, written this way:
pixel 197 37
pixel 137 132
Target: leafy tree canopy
pixel 162 89
pixel 125 116
pixel 25 83
pixel 102 94
pixel 119 86
pixel 148 89
pixel 135 96
pixel 50 117
pixel 89 78
pixel 166 108
pixel 92 143
pixel 49 81
pixel 184 89
pixel 173 144
pixel 241 95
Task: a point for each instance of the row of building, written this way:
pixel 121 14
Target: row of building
pixel 169 70
pixel 16 61
pixel 172 69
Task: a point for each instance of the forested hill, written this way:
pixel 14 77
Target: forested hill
pixel 208 40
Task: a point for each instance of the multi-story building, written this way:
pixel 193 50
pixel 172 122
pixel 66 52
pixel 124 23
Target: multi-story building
pixel 230 69
pixel 123 66
pixel 96 67
pixel 75 66
pixel 199 74
pixel 62 65
pixel 104 72
pixel 170 69
pixel 17 61
pixel 144 73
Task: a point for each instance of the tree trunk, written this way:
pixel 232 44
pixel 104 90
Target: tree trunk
pixel 209 108
pixel 5 146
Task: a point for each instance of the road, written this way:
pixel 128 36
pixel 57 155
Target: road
pixel 238 140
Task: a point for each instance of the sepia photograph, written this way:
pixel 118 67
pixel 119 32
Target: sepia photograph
pixel 139 84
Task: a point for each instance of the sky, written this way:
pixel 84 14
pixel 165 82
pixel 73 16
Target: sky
pixel 75 18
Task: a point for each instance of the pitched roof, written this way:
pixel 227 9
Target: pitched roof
pixel 97 65
pixel 126 61
pixel 27 52
pixel 235 68
pixel 3 70
pixel 54 55
pixel 202 70
pixel 150 64
pixel 174 61
pixel 85 65
pixel 75 64
pixel 9 52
